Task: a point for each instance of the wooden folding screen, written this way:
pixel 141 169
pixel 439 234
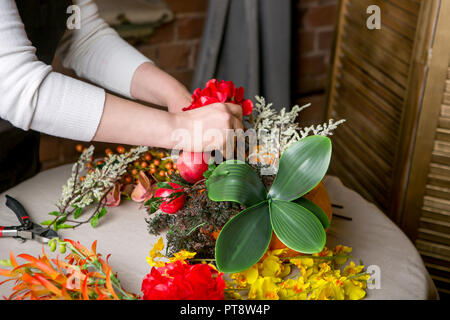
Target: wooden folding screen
pixel 393 87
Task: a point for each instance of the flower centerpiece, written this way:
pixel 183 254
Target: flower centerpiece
pixel 247 228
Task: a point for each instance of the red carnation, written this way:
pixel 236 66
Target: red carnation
pixel 182 281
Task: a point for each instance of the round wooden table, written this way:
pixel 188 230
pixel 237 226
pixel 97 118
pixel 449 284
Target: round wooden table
pixel 123 232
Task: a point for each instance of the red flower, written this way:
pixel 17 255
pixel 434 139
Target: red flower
pixel 182 281
pixel 220 92
pixel 171 205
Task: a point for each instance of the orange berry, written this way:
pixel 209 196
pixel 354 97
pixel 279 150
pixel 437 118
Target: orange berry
pixel 79 147
pixel 162 155
pixel 168 166
pixel 170 172
pixel 174 166
pixel 120 149
pixel 162 173
pixel 100 162
pixel 108 151
pixel 128 179
pixel 82 178
pixel 134 172
pixel 156 162
pixel 152 170
pixel 88 165
pixel 148 156
pixel 144 164
pixel 136 163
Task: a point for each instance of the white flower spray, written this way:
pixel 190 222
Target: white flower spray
pixel 77 195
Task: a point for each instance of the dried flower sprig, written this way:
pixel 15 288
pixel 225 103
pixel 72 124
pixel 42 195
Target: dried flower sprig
pixel 78 194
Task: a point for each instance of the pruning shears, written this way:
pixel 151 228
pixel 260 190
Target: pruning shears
pixel 27 229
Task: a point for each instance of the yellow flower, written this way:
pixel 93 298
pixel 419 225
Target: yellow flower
pixel 264 289
pixel 352 269
pixel 182 256
pixel 246 277
pixel 341 250
pixel 354 290
pixel 294 289
pixel 155 252
pixel 271 266
pixel 303 264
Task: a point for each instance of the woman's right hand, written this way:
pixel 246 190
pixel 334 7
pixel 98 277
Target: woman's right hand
pixel 206 128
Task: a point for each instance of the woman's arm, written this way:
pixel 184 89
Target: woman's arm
pixel 153 85
pixel 125 121
pixel 97 53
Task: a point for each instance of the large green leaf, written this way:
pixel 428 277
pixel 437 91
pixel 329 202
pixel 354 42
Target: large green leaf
pixel 297 227
pixel 244 239
pixel 316 210
pixel 236 181
pixel 302 166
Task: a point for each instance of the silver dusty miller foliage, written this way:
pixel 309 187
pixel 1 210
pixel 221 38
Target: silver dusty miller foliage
pixel 276 131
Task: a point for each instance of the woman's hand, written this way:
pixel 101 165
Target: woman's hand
pixel 153 85
pixel 207 128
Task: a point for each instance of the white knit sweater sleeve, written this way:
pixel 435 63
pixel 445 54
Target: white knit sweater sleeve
pixel 32 96
pixel 97 53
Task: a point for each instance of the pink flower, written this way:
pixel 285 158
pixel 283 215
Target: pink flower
pixel 143 190
pixel 113 197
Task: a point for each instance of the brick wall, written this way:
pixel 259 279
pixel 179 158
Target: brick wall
pixel 174 47
pixel 315 30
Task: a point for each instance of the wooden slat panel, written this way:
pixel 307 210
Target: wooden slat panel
pixel 410 6
pixel 438 226
pixel 437 214
pixel 388 21
pixel 434 236
pixel 443 134
pixel 438 250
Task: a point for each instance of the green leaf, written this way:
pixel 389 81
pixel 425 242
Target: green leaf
pixel 302 166
pixel 244 239
pixel 65 226
pixel 297 227
pixel 46 222
pixel 316 210
pixel 236 181
pixel 94 221
pixel 211 167
pixel 102 213
pixel 54 213
pixel 77 213
pixel 164 185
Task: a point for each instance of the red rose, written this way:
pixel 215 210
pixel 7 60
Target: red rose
pixel 182 281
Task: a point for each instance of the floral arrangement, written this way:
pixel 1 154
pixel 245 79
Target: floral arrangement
pixel 227 215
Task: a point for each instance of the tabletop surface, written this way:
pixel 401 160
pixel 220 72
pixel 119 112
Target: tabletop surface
pixel 375 240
